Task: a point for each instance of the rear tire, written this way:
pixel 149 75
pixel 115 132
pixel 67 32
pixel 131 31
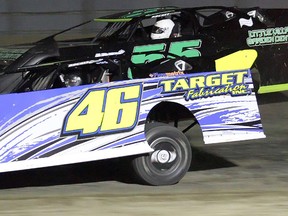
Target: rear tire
pixel 256 79
pixel 171 157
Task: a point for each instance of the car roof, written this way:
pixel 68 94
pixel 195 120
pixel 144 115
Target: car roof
pixel 141 13
pixel 158 12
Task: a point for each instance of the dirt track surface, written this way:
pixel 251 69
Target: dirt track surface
pixel 245 178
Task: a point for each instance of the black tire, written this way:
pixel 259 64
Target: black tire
pixel 171 157
pixel 256 79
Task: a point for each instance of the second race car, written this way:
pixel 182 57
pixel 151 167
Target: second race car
pixel 172 39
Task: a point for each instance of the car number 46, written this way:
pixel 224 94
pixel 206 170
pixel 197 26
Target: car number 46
pixel 104 110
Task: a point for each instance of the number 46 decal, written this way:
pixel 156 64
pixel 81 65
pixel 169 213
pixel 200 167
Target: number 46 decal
pixel 104 110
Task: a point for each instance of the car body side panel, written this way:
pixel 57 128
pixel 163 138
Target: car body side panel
pixel 107 120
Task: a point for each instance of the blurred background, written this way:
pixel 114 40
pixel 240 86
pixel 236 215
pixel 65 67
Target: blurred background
pixel 29 20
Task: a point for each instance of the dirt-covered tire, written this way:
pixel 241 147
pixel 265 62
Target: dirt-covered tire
pixel 171 157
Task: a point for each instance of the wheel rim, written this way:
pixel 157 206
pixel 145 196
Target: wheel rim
pixel 165 158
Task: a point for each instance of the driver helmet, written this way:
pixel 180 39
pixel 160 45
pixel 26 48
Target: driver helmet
pixel 73 79
pixel 162 29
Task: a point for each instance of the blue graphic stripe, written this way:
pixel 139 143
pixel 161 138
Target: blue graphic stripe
pixel 124 141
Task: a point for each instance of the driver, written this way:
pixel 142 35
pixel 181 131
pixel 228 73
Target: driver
pixel 164 29
pixel 73 79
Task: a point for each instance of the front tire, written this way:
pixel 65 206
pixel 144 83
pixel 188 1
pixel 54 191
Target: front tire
pixel 171 157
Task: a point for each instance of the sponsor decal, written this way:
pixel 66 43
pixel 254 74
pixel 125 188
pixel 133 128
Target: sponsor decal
pixel 146 12
pixel 252 13
pixel 120 52
pixel 246 22
pixel 208 85
pixel 11 54
pixel 164 14
pixel 270 36
pixel 229 14
pixel 168 74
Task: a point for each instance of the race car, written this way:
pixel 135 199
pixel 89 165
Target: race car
pixel 77 101
pixel 88 110
pixel 195 39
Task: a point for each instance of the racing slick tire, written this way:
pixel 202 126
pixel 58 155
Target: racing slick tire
pixel 169 161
